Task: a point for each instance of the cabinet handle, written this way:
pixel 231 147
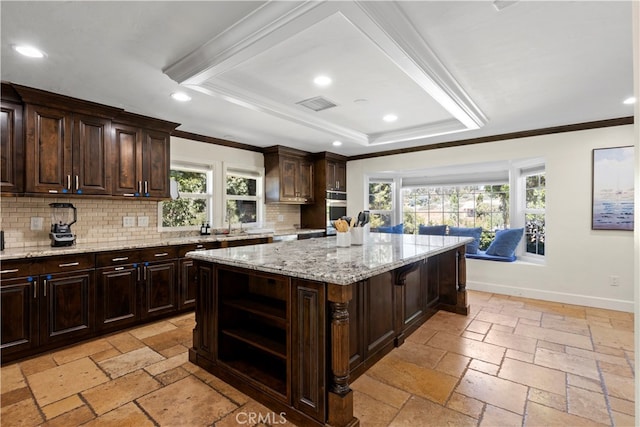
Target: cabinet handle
pixel 69 264
pixel 146 187
pixel 77 182
pixel 44 287
pixel 35 289
pixel 15 270
pixel 124 258
pixel 139 186
pixel 129 195
pixel 199 246
pixel 161 254
pixel 118 269
pixel 144 276
pixel 68 182
pixel 138 274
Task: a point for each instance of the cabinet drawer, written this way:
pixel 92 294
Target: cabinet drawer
pixel 158 253
pixel 108 259
pixel 18 268
pixel 58 264
pixel 183 249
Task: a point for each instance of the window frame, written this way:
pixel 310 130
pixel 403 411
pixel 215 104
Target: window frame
pixel 520 171
pixel 244 172
pixel 209 196
pixel 394 197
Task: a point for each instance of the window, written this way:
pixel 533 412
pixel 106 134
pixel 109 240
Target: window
pixel 381 202
pixel 485 206
pixel 534 211
pixel 194 204
pixel 244 197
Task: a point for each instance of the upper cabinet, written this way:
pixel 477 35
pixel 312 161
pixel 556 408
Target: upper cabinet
pixel 141 156
pixel 336 173
pixel 12 142
pixel 75 147
pixel 288 176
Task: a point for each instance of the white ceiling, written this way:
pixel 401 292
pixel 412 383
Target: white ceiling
pixel 450 70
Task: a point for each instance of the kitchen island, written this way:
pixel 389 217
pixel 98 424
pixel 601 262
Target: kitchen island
pixel 292 323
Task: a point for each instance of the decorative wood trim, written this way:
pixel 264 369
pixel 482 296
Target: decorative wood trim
pixel 216 141
pixel 501 137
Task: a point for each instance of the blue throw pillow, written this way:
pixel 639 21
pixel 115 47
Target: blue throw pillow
pixel 472 248
pixel 432 230
pixel 506 242
pixel 396 229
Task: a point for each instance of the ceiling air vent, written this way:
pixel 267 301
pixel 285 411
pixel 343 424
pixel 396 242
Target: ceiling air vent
pixel 317 104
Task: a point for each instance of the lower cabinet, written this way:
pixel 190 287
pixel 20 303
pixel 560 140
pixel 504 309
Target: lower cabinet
pixel 51 303
pixel 117 301
pixel 19 305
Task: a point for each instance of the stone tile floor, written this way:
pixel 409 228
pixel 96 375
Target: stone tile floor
pixel 511 362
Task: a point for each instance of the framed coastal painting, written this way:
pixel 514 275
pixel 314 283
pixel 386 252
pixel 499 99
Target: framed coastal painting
pixel 612 188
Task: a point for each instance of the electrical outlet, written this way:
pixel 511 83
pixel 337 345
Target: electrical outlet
pixel 36 223
pixel 614 280
pixel 143 221
pixel 280 218
pixel 128 221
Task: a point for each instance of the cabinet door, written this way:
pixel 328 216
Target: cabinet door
pixel 155 165
pixel 159 289
pixel 11 148
pixel 67 309
pixel 288 178
pixel 308 348
pixel 341 176
pixel 187 284
pixel 414 298
pixel 117 301
pixel 91 155
pixel 379 313
pixel 19 305
pixel 48 150
pixel 305 181
pixel 127 157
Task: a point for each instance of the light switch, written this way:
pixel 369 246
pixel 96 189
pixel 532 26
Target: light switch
pixel 128 221
pixel 143 221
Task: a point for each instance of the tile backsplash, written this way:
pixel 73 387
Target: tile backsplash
pixel 101 220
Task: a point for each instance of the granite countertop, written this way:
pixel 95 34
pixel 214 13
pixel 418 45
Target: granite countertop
pixel 43 251
pixel 321 260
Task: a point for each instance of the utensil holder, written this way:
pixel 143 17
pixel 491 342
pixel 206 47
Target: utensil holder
pixel 357 236
pixel 343 240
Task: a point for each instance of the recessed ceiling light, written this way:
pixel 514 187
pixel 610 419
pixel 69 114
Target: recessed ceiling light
pixel 180 96
pixel 29 51
pixel 337 143
pixel 390 118
pixel 629 101
pixel 322 81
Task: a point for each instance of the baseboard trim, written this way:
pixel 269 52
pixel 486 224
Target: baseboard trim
pixel 561 297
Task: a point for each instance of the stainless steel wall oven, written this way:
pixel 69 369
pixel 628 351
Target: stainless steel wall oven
pixel 336 208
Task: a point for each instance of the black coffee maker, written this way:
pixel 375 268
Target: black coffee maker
pixel 61 222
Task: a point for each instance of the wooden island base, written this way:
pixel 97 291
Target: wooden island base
pixel 295 344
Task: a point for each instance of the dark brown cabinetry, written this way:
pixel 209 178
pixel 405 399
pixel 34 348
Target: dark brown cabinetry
pixel 159 282
pixel 52 305
pixel 75 147
pixel 187 293
pixel 141 157
pixel 117 274
pixel 336 175
pixel 67 144
pixel 330 175
pixel 19 305
pixel 289 176
pixel 12 142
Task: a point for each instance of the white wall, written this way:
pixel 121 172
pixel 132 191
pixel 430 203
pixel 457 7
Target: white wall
pixel 579 260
